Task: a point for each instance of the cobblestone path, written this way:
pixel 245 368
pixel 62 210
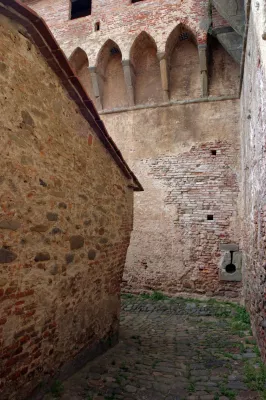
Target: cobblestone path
pixel 174 350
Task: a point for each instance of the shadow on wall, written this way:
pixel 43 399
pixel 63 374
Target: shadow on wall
pixel 118 83
pixel 146 70
pixel 110 75
pixel 224 72
pixel 183 60
pixel 80 65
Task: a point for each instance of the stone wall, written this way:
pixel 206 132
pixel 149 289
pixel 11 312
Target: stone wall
pixel 65 224
pixel 253 133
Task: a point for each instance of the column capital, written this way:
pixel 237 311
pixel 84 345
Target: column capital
pixel 126 63
pixel 202 46
pixel 161 56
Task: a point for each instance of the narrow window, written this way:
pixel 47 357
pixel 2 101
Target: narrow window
pixel 136 1
pixel 80 8
pixel 213 152
pixel 97 26
pixel 210 217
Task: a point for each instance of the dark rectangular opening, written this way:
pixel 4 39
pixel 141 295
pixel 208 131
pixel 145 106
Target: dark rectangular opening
pixel 210 217
pixel 80 8
pixel 213 152
pixel 136 1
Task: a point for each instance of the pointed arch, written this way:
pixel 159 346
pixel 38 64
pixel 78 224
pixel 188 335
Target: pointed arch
pixel 80 64
pixel 111 78
pixel 183 60
pixel 78 59
pixel 224 72
pixel 146 67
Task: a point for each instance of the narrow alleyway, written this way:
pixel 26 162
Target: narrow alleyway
pixel 174 350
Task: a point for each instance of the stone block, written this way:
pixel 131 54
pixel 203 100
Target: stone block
pixel 7 256
pixel 10 225
pixel 231 271
pixel 229 247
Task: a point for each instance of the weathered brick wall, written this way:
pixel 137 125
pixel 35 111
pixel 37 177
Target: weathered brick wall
pixel 65 223
pixel 253 134
pixel 174 247
pixel 121 21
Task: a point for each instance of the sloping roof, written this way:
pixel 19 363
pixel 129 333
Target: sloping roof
pixel 39 33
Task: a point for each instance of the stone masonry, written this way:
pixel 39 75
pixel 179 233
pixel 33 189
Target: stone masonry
pixel 66 215
pixel 165 78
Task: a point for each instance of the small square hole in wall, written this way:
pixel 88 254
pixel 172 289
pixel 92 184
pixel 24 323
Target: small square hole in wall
pixel 213 152
pixel 97 26
pixel 210 217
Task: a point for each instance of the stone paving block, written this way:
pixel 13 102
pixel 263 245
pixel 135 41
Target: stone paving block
pixel 160 357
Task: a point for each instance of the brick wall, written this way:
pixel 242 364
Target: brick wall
pixel 174 248
pixel 65 223
pixel 121 21
pixel 253 127
pixel 172 138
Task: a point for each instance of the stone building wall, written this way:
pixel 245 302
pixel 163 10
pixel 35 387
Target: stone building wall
pixel 66 215
pixel 253 134
pixel 150 65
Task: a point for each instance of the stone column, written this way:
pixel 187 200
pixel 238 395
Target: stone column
pixel 164 75
pixel 95 86
pixel 202 48
pixel 128 74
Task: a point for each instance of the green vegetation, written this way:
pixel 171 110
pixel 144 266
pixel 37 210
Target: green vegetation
pixel 191 387
pixel 124 367
pixel 227 392
pixel 57 389
pixel 255 376
pixel 155 363
pixel 111 397
pixel 127 296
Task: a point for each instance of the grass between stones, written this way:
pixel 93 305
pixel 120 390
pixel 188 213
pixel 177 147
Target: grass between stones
pixel 214 344
pixel 57 389
pixel 255 377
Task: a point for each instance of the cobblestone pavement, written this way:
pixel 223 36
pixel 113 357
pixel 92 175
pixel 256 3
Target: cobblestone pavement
pixel 174 350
